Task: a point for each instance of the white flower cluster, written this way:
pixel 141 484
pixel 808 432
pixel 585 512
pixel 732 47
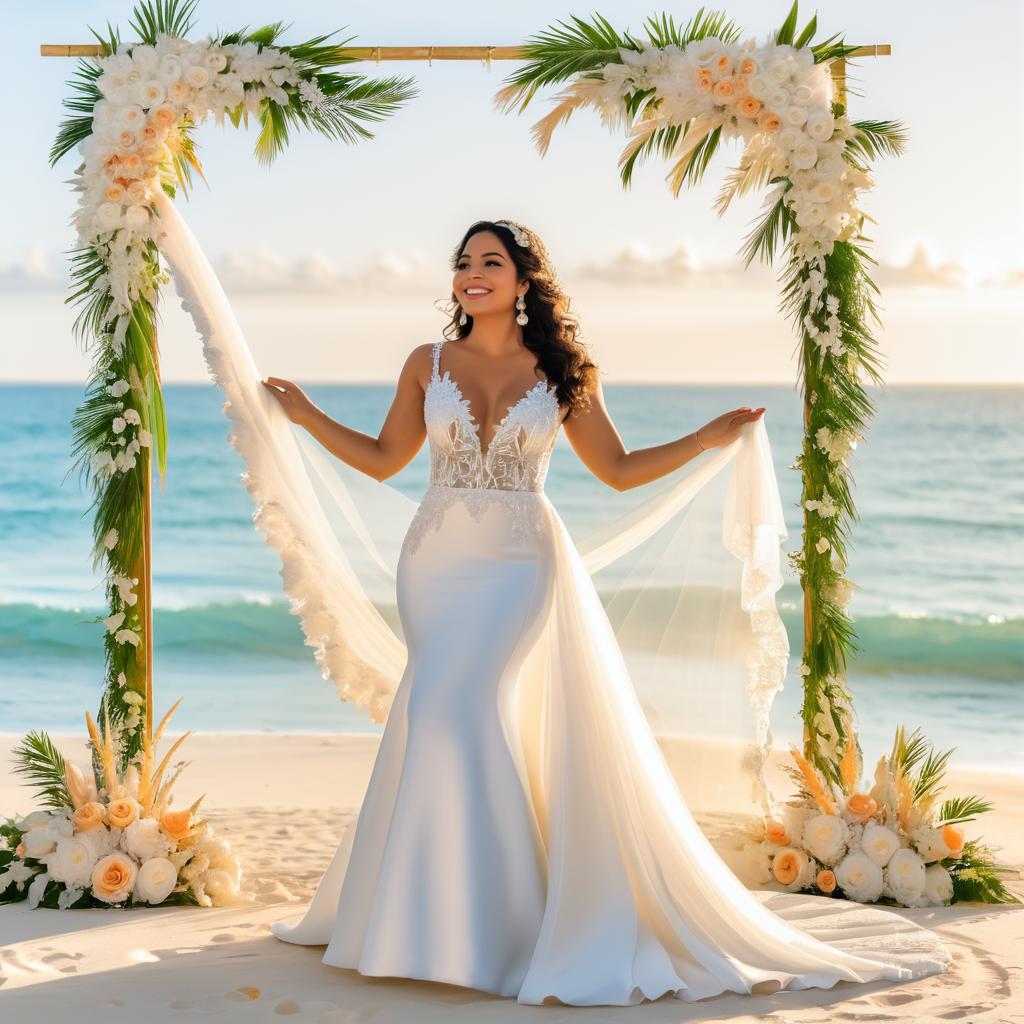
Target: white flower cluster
pixel 864 846
pixel 774 97
pixel 836 444
pixel 117 850
pixel 127 435
pixel 148 91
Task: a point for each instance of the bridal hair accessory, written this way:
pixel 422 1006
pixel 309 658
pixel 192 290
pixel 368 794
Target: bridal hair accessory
pixel 517 232
pixel 522 319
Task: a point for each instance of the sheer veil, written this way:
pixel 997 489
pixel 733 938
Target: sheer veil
pixel 687 567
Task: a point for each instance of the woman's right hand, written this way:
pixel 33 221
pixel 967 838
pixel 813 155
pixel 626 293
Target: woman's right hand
pixel 726 428
pixel 295 402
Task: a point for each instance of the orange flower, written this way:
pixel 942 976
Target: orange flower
pixel 747 66
pixel 862 805
pixel 176 823
pixel 88 816
pixel 704 79
pixel 775 832
pixel 749 106
pixel 953 837
pixel 724 90
pixel 786 866
pixel 113 878
pixel 121 813
pixel 826 880
pixel 19 850
pixel 770 123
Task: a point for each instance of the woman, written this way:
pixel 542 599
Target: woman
pixel 521 833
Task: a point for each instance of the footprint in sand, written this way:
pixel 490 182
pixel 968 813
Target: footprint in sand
pixel 222 937
pixel 287 1007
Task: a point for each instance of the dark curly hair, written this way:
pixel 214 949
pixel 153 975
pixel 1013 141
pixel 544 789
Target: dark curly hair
pixel 552 331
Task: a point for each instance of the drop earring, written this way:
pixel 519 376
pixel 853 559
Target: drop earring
pixel 463 318
pixel 522 319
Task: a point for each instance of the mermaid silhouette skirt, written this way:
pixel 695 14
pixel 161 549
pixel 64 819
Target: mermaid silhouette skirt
pixel 521 833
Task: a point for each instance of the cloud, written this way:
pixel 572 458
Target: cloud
pixel 31 274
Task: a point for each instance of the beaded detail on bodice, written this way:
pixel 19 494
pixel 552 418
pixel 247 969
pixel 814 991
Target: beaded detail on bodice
pixel 518 455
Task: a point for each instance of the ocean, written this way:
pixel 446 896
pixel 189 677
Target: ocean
pixel 938 556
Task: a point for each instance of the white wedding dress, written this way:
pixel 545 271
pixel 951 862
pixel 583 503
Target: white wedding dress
pixel 522 833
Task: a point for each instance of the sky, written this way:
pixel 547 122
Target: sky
pixel 336 257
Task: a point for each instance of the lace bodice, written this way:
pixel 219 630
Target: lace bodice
pixel 518 455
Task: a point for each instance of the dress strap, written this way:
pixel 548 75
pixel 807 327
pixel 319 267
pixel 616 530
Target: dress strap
pixel 437 358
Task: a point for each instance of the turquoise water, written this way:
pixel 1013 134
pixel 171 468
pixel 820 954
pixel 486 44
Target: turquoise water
pixel 938 556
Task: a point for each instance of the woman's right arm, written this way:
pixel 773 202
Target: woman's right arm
pixel 401 435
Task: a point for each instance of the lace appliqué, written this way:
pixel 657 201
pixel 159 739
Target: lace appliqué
pixel 527 512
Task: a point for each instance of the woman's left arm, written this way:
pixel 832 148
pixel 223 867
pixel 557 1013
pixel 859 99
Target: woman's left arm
pixel 597 442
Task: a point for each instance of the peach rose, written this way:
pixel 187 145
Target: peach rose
pixel 770 123
pixel 786 866
pixel 747 66
pixel 121 813
pixel 775 832
pixel 953 837
pixel 826 880
pixel 114 193
pixel 705 81
pixel 176 823
pixel 113 878
pixel 88 816
pixel 749 106
pixel 19 850
pixel 723 90
pixel 862 805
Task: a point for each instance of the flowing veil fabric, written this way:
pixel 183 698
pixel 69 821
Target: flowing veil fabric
pixel 687 566
pixel 662 624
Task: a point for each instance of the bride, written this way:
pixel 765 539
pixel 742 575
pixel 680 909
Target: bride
pixel 522 833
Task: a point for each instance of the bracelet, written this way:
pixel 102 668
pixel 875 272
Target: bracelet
pixel 696 437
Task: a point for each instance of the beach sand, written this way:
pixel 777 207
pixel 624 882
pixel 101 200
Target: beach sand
pixel 283 801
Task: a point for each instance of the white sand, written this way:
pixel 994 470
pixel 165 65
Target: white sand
pixel 282 801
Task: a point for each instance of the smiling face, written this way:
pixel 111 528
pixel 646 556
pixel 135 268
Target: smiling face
pixel 486 280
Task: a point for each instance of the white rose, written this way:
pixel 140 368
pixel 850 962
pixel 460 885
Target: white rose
pixel 136 217
pixel 118 424
pixel 144 839
pixel 220 887
pixel 929 843
pixel 99 841
pixel 152 93
pixel 825 837
pixel 155 880
pixel 72 863
pixel 859 878
pixel 37 819
pixel 879 843
pixel 197 76
pixel 905 877
pixel 132 115
pixel 41 841
pixel 805 155
pixel 145 58
pixel 170 69
pixel 802 95
pixel 215 61
pixel 938 885
pixel 108 216
pixel 756 863
pixel 820 126
pixel 794 115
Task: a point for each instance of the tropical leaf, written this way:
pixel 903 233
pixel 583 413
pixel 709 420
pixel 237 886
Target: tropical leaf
pixel 162 17
pixel 978 878
pixel 42 767
pixel 960 809
pixel 662 30
pixel 774 228
pixel 875 139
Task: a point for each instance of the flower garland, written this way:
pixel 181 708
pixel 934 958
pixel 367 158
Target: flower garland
pixel 682 93
pixel 134 109
pixel 109 838
pixel 891 843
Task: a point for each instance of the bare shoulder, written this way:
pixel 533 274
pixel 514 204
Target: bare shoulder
pixel 419 363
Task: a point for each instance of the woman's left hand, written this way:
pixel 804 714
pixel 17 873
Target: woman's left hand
pixel 725 428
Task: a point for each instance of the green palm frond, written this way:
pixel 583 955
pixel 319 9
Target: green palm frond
pixel 907 751
pixel 978 878
pixel 875 139
pixel 690 170
pixel 662 140
pixel 42 766
pixel 774 228
pixel 961 809
pixel 929 778
pixel 558 54
pixel 662 31
pixel 162 17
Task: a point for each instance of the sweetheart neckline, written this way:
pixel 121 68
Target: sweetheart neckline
pixel 471 419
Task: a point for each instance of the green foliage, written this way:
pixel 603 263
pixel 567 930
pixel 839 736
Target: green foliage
pixel 961 809
pixel 162 17
pixel 875 139
pixel 41 766
pixel 977 878
pixel 662 31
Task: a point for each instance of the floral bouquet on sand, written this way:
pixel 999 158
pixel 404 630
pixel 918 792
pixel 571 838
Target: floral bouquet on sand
pixel 110 839
pixel 890 844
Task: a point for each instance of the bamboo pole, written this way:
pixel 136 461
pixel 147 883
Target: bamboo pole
pixel 427 53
